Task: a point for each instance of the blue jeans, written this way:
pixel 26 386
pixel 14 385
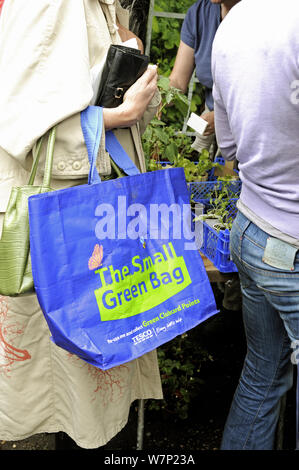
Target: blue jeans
pixel 271 321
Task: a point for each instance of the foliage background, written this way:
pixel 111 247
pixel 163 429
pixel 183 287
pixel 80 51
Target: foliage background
pixel 165 41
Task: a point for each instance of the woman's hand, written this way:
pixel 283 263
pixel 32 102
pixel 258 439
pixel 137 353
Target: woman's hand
pixel 209 117
pixel 139 95
pixel 135 102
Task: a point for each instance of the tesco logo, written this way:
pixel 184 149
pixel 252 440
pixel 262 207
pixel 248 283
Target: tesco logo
pixel 142 336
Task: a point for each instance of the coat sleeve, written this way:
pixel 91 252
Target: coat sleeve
pixel 44 69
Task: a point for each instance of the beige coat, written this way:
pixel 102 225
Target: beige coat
pixel 48 49
pixel 46 78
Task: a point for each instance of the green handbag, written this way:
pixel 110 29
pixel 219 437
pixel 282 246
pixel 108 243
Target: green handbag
pixel 15 262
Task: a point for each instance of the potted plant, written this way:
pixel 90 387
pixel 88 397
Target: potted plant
pixel 160 141
pixel 218 214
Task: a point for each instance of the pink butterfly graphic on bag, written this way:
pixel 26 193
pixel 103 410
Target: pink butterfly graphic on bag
pixel 95 261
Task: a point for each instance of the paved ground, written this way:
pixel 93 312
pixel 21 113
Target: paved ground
pixel 37 442
pixel 202 430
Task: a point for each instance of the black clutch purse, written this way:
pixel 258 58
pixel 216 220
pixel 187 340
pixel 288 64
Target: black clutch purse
pixel 123 66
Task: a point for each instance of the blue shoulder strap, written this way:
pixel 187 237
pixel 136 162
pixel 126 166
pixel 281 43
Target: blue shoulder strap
pixel 91 123
pixel 119 155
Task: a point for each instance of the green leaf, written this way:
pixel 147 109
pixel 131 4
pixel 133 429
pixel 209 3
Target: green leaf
pixel 171 152
pixel 161 135
pixel 155 25
pixel 169 97
pixel 163 83
pixel 155 122
pixel 181 104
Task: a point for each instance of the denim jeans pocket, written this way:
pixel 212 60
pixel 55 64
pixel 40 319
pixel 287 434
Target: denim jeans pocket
pixel 279 254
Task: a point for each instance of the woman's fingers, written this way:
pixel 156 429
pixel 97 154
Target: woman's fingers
pixel 150 74
pixel 135 101
pixel 148 79
pixel 144 88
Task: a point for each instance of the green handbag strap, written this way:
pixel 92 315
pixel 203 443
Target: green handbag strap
pixel 49 159
pixel 36 155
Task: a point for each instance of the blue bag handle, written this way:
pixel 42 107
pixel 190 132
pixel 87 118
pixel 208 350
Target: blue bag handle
pixel 92 123
pixel 119 155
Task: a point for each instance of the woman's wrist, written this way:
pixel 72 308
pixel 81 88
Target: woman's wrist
pixel 118 117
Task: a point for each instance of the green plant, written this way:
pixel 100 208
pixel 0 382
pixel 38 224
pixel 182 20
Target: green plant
pixel 166 33
pixel 204 163
pixel 220 202
pixel 195 171
pixel 180 362
pixel 172 95
pixel 163 142
pixel 165 41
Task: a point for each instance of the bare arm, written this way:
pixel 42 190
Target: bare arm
pixel 183 67
pixel 126 34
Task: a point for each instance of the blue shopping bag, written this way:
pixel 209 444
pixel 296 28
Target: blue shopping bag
pixel 111 260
